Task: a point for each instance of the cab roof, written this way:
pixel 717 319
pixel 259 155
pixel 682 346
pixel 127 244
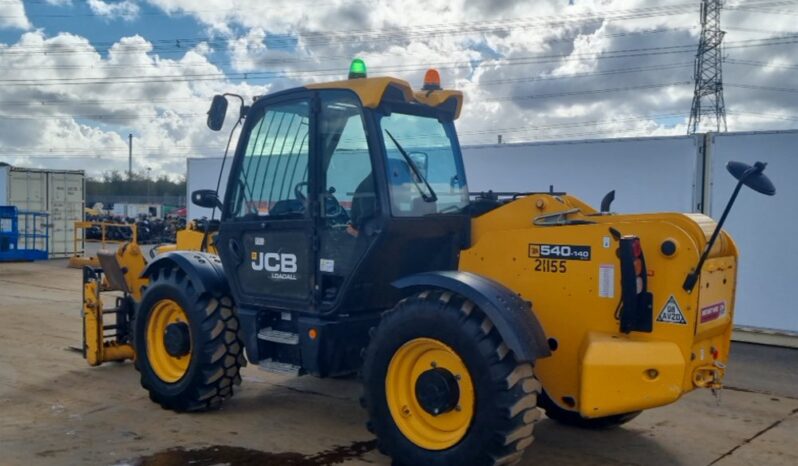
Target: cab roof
pixel 371 92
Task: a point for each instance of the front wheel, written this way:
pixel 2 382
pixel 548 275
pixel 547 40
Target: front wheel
pixel 442 389
pixel 187 345
pixel 575 419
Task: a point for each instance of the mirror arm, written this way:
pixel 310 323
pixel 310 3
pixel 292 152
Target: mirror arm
pixel 242 111
pixel 692 277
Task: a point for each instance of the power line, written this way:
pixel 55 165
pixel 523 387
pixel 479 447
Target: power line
pixel 426 31
pixel 248 76
pixel 311 58
pixel 764 88
pixel 494 99
pixel 181 45
pixel 35 104
pixel 758 64
pixel 113 117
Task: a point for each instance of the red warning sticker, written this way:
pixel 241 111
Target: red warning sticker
pixel 713 312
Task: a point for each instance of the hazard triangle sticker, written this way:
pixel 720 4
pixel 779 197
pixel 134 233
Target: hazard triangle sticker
pixel 671 313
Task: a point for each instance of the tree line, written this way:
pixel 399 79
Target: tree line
pixel 115 183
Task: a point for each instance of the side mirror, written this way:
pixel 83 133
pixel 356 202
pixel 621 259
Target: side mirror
pixel 752 176
pixel 207 198
pixel 217 112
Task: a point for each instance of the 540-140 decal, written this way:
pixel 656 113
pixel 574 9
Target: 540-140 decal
pixel 552 257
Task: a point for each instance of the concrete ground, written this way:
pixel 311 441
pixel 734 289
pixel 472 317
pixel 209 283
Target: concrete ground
pixel 54 409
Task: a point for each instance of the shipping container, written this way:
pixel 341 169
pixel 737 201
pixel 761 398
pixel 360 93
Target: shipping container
pixel 59 193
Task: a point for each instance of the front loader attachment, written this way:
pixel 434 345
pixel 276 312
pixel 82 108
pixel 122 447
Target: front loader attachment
pixel 106 332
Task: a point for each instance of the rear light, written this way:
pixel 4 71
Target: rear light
pixel 636 302
pixel 638 267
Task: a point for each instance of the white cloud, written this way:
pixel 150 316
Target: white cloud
pixel 126 9
pixel 13 15
pixel 64 105
pixel 493 50
pixel 530 70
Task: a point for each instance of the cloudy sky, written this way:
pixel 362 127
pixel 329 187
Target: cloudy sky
pixel 79 76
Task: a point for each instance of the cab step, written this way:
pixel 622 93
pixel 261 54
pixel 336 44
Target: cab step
pixel 277 367
pixel 278 336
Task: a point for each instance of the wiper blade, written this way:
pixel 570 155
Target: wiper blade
pixel 431 197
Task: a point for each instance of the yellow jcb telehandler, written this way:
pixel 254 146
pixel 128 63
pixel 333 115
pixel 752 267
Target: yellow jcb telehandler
pixel 349 241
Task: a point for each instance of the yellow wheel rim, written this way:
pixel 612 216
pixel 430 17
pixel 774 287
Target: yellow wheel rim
pixel 420 427
pixel 168 368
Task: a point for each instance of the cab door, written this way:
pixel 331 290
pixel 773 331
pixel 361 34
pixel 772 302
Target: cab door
pixel 265 240
pixel 349 222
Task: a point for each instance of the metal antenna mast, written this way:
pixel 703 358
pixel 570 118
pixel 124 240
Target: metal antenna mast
pixel 708 73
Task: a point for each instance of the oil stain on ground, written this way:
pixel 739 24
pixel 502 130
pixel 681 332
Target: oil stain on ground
pixel 237 456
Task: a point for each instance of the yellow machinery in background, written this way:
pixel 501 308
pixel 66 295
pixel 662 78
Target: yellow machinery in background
pixel 79 261
pixel 117 275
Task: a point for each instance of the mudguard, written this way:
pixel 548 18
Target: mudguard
pixel 511 315
pixel 205 270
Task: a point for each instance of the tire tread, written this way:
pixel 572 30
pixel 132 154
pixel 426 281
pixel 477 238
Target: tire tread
pixel 220 357
pixel 517 387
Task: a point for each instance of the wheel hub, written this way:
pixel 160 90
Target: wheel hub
pixel 424 376
pixel 177 339
pixel 168 341
pixel 437 391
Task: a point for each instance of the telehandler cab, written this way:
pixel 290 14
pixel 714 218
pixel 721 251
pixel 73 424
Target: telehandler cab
pixel 349 242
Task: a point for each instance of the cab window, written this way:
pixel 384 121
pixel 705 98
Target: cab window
pixel 425 171
pixel 273 174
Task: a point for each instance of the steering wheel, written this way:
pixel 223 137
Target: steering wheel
pixel 333 209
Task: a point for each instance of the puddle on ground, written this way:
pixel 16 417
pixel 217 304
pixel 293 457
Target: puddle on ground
pixel 237 456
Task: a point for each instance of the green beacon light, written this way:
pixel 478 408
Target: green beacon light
pixel 357 69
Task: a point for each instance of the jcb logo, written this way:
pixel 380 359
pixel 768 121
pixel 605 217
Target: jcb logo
pixel 274 262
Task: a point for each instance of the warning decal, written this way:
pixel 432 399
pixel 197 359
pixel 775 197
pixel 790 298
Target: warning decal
pixel 671 313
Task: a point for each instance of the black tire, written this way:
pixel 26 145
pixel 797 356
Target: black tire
pixel 216 349
pixel 505 391
pixel 572 418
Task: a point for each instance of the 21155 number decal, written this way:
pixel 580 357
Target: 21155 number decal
pixel 548 265
pixel 552 257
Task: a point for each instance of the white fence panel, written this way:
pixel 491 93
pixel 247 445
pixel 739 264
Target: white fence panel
pixel 765 228
pixel 651 174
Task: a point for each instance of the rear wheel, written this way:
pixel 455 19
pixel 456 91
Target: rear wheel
pixel 442 389
pixel 575 419
pixel 187 345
